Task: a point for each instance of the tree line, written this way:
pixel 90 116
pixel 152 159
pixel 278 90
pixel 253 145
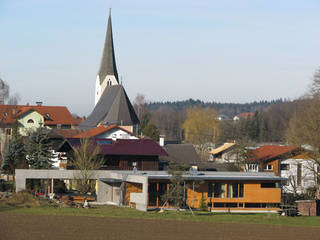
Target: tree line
pixel 167 118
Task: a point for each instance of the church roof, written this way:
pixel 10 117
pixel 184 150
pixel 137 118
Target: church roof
pixel 108 61
pixel 114 107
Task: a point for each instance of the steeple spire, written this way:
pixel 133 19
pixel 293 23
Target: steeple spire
pixel 108 61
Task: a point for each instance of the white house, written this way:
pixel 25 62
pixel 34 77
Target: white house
pixel 302 174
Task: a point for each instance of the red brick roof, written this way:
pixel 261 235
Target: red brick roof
pixel 52 114
pixel 269 152
pixel 99 130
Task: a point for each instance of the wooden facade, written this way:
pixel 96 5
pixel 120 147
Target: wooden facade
pixel 123 162
pixel 275 166
pixel 221 195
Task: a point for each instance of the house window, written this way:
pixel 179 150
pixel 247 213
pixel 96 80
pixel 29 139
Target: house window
pixel 299 171
pixel 219 190
pixel 5 114
pixel 109 83
pixel 284 167
pixel 268 167
pixel 252 167
pixel 8 131
pixel 30 121
pixel 268 185
pixel 235 190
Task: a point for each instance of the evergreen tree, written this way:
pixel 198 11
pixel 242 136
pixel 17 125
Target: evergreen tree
pixel 151 131
pixel 38 150
pixel 15 156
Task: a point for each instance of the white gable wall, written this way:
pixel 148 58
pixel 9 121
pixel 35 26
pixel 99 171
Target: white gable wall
pixel 116 133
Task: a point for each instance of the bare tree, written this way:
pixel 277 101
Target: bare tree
pixel 139 104
pixel 85 159
pixel 4 91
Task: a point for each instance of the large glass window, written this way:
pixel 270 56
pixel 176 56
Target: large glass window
pixel 219 190
pixel 232 190
pixel 235 190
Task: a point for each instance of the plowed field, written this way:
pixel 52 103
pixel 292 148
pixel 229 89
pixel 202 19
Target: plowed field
pixel 25 227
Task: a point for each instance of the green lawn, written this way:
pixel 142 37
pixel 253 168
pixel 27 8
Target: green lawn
pixel 103 211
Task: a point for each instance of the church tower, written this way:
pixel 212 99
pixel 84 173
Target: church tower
pixel 112 104
pixel 107 74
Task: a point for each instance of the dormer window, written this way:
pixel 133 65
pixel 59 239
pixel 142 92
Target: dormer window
pixel 30 121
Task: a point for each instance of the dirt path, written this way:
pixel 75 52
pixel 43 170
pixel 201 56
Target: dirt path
pixel 25 227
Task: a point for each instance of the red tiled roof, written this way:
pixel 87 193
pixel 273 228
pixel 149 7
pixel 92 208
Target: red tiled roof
pixel 140 147
pixel 52 114
pixel 246 114
pixel 68 133
pixel 99 130
pixel 269 152
pixel 7 113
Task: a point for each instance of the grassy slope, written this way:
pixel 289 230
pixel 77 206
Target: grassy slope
pixel 168 215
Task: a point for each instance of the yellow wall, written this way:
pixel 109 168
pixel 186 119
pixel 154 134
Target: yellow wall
pixel 26 127
pixel 253 193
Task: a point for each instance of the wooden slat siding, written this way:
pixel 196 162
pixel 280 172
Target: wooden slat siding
pixel 150 163
pixel 253 193
pixel 132 188
pixel 198 191
pixel 275 166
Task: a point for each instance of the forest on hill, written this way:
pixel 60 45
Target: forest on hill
pixel 197 122
pixel 228 109
pixel 268 124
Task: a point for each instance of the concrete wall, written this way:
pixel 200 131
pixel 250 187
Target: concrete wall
pixel 110 183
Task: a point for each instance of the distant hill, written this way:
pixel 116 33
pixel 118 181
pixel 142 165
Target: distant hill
pixel 228 109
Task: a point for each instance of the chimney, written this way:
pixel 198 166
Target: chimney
pixel 39 103
pixel 161 140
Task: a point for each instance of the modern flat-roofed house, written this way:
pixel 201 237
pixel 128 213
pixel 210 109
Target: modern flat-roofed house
pixel 221 191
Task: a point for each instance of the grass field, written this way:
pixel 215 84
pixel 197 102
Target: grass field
pixel 129 213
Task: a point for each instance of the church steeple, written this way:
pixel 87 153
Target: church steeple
pixel 107 74
pixel 108 61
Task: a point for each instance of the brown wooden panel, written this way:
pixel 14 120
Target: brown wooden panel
pixel 132 188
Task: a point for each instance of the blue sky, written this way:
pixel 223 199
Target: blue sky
pixel 225 51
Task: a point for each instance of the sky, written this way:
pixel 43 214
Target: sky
pixel 224 51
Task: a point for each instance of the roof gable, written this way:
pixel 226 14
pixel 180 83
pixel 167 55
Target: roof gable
pixel 222 148
pixel 181 153
pixel 113 108
pixel 94 132
pixel 270 152
pixel 51 114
